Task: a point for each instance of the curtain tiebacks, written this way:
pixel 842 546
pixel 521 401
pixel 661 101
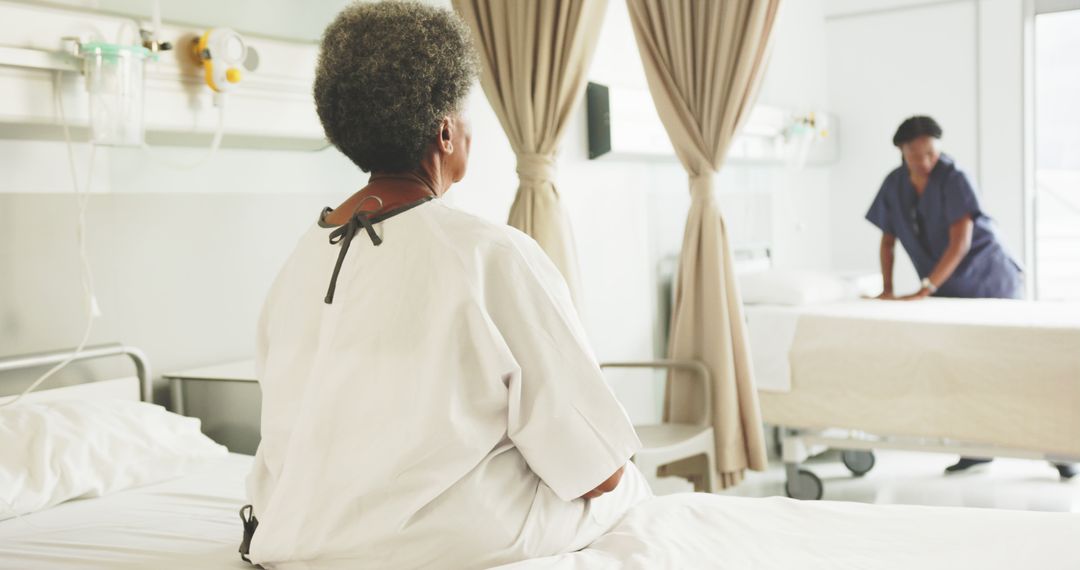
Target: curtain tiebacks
pixel 535 169
pixel 702 186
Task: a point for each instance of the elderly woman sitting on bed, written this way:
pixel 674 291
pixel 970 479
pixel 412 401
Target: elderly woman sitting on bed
pixel 429 399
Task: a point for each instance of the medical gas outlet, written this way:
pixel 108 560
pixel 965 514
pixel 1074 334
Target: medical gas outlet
pixel 222 53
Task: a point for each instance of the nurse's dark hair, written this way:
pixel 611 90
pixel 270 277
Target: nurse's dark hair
pixel 915 127
pixel 387 74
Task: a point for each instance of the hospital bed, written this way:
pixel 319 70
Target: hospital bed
pixel 974 377
pixel 185 522
pixel 191 521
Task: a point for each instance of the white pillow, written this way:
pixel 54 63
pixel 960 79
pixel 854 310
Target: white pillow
pixel 788 287
pixel 57 451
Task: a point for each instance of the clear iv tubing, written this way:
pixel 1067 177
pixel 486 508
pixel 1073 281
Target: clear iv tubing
pixel 215 143
pixel 83 197
pixel 132 27
pixel 90 300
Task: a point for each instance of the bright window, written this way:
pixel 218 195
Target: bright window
pixel 1057 156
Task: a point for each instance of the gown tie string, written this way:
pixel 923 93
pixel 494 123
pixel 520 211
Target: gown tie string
pixel 345 235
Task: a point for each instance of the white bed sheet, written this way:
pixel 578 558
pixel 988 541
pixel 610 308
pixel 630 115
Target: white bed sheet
pixel 772 333
pixel 774 329
pixel 978 312
pixel 187 523
pixel 192 523
pixel 693 530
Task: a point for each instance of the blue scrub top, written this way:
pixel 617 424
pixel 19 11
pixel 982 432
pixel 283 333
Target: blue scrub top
pixel 922 226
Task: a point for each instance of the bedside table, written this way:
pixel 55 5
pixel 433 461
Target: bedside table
pixel 225 397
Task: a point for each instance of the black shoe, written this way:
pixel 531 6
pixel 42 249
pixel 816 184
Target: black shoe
pixel 965 463
pixel 1066 470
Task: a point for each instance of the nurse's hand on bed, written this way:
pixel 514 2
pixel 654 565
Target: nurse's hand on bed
pixel 922 294
pixel 607 486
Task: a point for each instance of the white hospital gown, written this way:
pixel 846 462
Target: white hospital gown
pixel 444 412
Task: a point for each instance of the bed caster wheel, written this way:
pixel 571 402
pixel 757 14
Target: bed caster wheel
pixel 806 486
pixel 859 462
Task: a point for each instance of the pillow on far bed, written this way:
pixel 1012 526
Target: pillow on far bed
pixel 788 287
pixel 57 451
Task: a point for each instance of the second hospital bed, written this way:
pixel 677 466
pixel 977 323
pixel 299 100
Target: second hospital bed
pixel 976 377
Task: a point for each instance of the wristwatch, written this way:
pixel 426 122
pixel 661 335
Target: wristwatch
pixel 929 285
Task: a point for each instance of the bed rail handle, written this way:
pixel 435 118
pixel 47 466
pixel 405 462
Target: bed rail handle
pixel 138 357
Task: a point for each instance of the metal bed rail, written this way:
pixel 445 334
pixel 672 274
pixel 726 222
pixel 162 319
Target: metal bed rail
pixel 138 357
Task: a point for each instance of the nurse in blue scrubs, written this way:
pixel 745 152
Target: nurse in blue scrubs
pixel 930 205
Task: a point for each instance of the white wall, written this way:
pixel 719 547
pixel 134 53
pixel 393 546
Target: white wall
pixel 797 78
pixel 959 61
pixel 1001 119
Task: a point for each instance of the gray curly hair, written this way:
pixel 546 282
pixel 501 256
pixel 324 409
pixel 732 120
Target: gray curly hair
pixel 388 72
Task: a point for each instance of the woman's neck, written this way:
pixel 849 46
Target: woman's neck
pixel 407 185
pixel 384 192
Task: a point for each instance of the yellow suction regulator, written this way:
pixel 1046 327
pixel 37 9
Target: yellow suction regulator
pixel 223 54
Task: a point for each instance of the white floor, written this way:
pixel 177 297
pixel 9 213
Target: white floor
pixel 917 479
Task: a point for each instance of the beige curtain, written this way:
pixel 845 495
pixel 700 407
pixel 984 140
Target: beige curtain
pixel 535 54
pixel 703 61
